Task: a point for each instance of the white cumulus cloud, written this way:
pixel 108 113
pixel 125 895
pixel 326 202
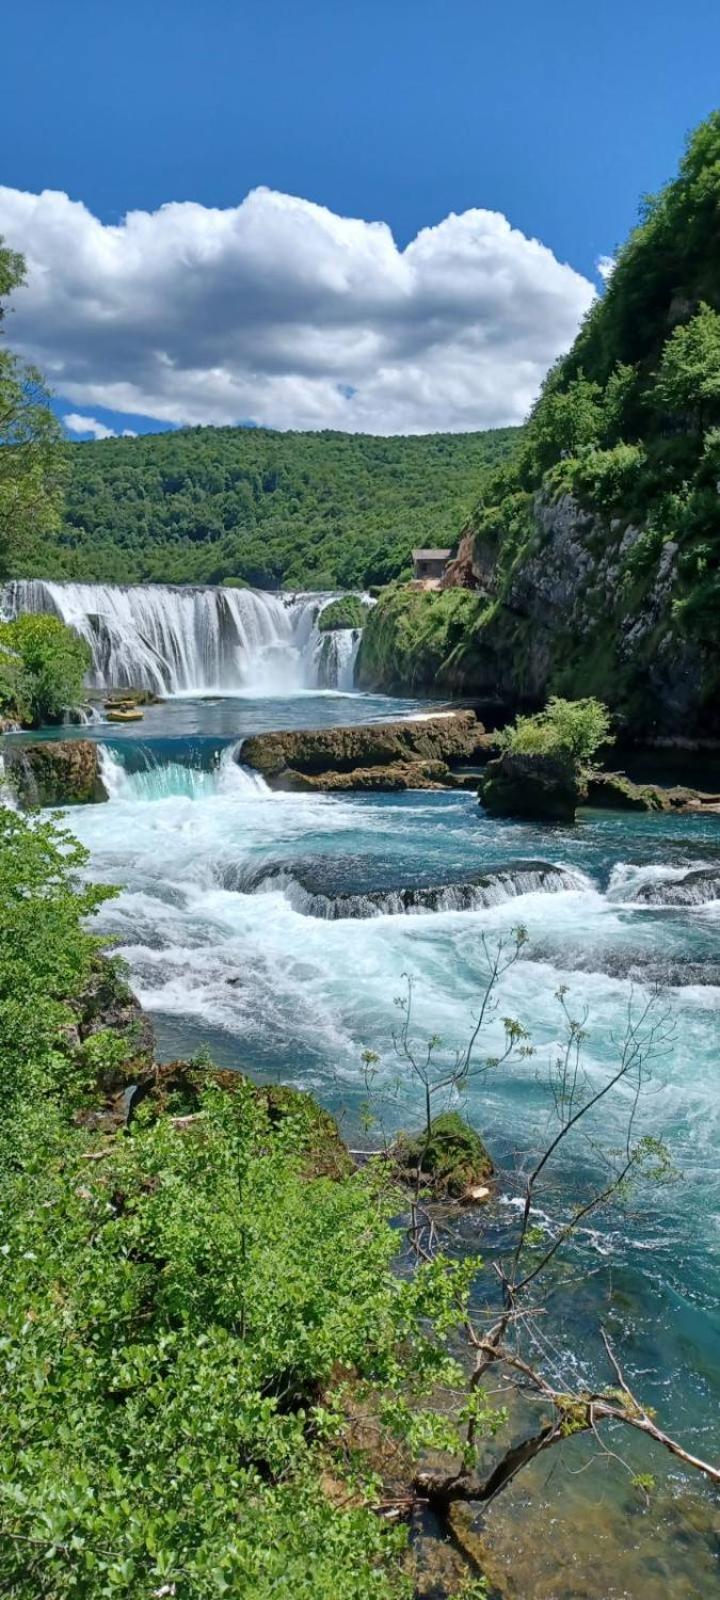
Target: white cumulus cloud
pixel 281 313
pixel 605 266
pixel 91 425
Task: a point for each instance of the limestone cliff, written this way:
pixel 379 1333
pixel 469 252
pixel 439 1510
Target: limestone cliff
pixel 591 563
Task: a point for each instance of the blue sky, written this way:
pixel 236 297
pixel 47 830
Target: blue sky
pixel 556 116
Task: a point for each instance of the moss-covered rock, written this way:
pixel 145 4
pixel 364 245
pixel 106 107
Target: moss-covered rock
pixel 451 1161
pixel 174 1089
pixel 542 787
pixel 62 772
pixel 349 611
pixel 613 791
pixel 413 640
pixel 376 755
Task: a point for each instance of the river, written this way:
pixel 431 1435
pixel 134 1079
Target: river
pixel 232 919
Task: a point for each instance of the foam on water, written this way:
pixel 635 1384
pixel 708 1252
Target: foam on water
pixel 196 640
pixel 276 927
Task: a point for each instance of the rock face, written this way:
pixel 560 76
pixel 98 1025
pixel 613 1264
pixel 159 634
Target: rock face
pixel 540 786
pixel 382 755
pixel 589 610
pixel 61 772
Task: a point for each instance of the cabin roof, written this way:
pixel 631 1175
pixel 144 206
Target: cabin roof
pixel 430 555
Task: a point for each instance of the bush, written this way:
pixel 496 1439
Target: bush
pixel 42 671
pixel 190 1310
pixel 572 728
pixel 349 611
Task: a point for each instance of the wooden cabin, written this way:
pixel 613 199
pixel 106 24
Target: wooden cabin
pixel 430 566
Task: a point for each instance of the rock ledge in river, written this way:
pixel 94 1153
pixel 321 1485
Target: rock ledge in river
pixel 55 772
pixel 417 753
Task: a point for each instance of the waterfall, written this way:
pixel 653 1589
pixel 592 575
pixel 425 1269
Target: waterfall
pixel 186 640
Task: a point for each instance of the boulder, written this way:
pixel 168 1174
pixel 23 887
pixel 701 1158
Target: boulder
pixel 373 755
pixel 56 772
pixel 452 1161
pixel 544 787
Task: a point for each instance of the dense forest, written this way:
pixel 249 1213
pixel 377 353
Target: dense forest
pixel 594 551
pixel 304 510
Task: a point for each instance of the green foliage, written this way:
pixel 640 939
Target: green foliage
pixel 572 728
pixel 188 1311
pixel 31 462
pixel 299 510
pixel 627 424
pixel 412 636
pixel 688 379
pixel 46 957
pixel 348 612
pixel 42 668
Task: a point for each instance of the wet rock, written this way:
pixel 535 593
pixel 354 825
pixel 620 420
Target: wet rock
pixel 62 772
pixel 383 755
pixel 452 1160
pixel 349 611
pixel 614 791
pixel 543 787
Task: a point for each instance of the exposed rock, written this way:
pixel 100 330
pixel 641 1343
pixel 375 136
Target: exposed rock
pixel 452 1160
pixel 381 755
pixel 614 791
pixel 58 772
pixel 109 1003
pixel 400 775
pixel 540 786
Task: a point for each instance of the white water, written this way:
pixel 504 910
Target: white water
pixel 196 641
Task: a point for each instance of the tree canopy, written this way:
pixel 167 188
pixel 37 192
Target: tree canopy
pixel 31 460
pixel 300 510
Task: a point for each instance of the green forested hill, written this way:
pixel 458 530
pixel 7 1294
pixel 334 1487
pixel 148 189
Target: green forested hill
pixel 595 549
pixel 301 509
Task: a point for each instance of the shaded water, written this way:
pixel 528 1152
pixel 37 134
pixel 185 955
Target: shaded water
pixel 235 921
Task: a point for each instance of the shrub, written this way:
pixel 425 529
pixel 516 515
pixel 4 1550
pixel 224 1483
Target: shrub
pixel 349 611
pixel 572 728
pixel 49 665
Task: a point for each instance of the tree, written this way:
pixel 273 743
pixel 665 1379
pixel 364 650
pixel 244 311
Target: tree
pixel 42 666
pixel 574 729
pixel 31 458
pixel 509 1354
pixel 688 378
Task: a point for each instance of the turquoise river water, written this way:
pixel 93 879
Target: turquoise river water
pixel 232 920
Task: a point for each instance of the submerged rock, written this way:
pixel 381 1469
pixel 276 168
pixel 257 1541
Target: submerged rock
pixel 539 786
pixel 57 772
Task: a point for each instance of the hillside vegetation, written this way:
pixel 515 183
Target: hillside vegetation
pixel 304 510
pixel 595 546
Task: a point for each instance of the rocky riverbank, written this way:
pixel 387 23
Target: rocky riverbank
pixel 58 772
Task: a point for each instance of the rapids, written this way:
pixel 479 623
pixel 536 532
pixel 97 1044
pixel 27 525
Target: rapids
pixel 278 929
pixel 275 928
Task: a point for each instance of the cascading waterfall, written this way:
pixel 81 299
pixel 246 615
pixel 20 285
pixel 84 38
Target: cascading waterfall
pixel 196 640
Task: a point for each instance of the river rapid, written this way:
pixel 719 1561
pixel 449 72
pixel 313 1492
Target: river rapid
pixel 279 929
